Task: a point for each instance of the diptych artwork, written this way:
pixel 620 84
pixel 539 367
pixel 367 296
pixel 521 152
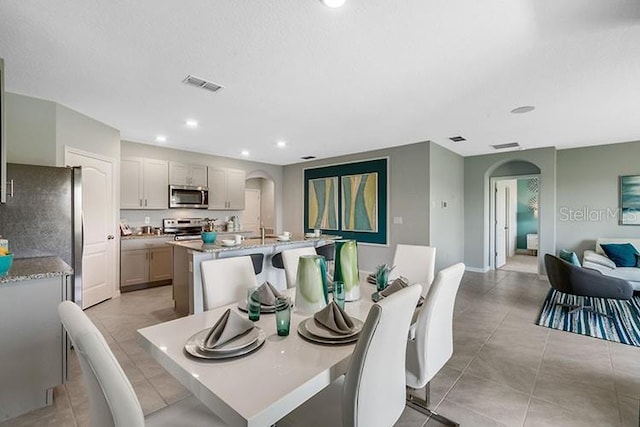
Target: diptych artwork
pixel 348 200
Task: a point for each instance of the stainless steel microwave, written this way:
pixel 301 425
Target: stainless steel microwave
pixel 187 196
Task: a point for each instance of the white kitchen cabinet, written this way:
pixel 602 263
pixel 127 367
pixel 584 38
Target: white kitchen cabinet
pixel 144 183
pixel 226 189
pixel 145 261
pixel 187 174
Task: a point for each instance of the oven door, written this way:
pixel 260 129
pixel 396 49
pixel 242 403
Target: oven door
pixel 184 196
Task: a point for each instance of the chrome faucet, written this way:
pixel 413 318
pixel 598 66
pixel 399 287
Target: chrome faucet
pixel 262 233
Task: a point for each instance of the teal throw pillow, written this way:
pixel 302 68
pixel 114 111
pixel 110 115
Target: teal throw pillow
pixel 570 257
pixel 622 254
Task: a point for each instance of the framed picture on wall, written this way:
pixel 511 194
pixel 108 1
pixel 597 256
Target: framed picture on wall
pixel 322 204
pixel 629 200
pixel 349 200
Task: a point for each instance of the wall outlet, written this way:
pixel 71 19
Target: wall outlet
pixel 147 220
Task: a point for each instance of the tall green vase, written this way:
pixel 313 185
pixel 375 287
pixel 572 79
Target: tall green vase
pixel 311 288
pixel 346 268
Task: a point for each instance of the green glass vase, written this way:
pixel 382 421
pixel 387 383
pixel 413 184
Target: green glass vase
pixel 346 268
pixel 311 289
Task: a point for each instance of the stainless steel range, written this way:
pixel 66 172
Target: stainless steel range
pixel 183 228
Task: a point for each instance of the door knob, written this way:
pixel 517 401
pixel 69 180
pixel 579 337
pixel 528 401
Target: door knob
pixel 110 237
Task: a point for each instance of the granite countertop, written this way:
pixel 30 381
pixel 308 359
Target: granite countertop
pixel 249 243
pixel 36 268
pixel 155 236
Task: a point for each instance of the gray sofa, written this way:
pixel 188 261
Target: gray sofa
pixel 597 260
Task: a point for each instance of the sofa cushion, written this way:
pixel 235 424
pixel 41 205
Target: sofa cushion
pixel 622 254
pixel 570 257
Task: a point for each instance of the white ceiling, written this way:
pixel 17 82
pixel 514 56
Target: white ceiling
pixel 372 74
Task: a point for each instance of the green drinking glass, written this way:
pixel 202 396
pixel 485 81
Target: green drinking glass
pixel 283 316
pixel 338 293
pixel 253 305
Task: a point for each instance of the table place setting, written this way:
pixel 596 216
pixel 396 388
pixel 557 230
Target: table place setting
pixel 231 336
pixel 398 284
pixel 331 325
pixel 263 296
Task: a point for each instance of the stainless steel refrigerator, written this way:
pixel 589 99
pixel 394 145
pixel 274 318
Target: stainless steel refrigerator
pixel 43 215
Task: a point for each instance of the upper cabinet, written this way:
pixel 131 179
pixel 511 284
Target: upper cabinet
pixel 144 183
pixel 226 189
pixel 185 174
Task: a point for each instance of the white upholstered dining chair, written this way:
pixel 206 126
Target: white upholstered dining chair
pixel 112 400
pixel 416 263
pixel 225 280
pixel 372 392
pixel 290 259
pixel 432 345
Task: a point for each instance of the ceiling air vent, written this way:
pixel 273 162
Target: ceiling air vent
pixel 457 139
pixel 201 83
pixel 308 157
pixel 505 146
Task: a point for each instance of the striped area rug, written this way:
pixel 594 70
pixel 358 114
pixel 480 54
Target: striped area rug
pixel 623 328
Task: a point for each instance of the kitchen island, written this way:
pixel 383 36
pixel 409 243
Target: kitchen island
pixel 188 255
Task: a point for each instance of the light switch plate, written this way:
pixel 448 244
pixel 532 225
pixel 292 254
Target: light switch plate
pixel 397 220
pixel 147 220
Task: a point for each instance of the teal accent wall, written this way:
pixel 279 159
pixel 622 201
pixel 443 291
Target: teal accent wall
pixel 527 222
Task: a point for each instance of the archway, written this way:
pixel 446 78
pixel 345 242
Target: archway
pixel 260 202
pixel 514 206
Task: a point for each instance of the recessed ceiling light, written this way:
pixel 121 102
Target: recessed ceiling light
pixel 281 144
pixel 245 153
pixel 161 138
pixel 191 123
pixel 333 3
pixel 523 109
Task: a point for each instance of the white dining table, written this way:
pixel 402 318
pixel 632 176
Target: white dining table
pixel 259 388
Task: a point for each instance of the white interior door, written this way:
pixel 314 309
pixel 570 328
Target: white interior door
pixel 251 216
pixel 99 252
pixel 501 223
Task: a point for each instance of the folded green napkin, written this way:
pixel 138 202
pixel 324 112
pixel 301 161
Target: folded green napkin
pixel 228 327
pixel 266 294
pixel 334 318
pixel 399 283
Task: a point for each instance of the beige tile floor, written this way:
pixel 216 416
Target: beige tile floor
pixel 506 371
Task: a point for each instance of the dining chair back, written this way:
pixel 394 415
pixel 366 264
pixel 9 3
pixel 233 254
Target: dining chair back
pixel 416 263
pixel 432 345
pixel 372 392
pixel 374 385
pixel 225 280
pixel 290 259
pixel 112 400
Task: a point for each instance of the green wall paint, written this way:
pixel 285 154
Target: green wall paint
pixel 526 221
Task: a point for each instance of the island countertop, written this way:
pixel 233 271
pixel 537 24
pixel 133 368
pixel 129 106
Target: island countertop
pixel 247 243
pixel 36 268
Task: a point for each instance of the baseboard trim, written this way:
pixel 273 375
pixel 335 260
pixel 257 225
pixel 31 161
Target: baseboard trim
pixel 477 270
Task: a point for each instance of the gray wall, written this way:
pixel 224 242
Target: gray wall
pixel 477 170
pixel 446 230
pixel 408 198
pixel 588 194
pixel 38 132
pixel 252 169
pixel 31 130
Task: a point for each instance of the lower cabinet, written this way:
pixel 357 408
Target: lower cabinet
pixel 33 353
pixel 145 262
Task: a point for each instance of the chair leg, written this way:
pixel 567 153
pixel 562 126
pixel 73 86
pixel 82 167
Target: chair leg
pixel 422 406
pixel 573 308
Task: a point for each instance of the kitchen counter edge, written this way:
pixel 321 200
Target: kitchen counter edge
pixel 198 246
pixel 36 268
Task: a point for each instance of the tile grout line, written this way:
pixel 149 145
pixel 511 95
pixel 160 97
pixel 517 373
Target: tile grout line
pixel 615 385
pixel 535 380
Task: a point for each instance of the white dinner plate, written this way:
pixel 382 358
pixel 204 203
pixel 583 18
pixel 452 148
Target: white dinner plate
pixel 235 344
pixel 192 348
pixel 310 235
pixel 266 309
pixel 284 239
pixel 304 333
pixel 317 330
pixel 229 245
